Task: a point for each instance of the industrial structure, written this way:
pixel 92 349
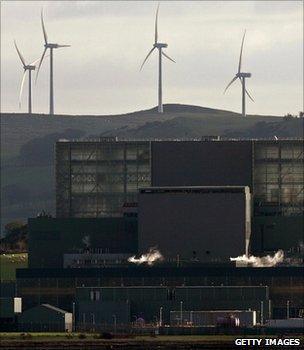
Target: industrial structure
pixel 98 305
pixel 200 202
pixel 190 222
pixel 80 242
pixel 96 178
pixel 58 287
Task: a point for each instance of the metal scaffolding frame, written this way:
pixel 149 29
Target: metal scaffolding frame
pixel 95 179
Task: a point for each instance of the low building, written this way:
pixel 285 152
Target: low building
pixel 55 242
pixel 207 224
pixel 45 318
pixel 150 303
pixel 58 286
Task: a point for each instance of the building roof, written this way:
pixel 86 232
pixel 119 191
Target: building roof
pixel 54 308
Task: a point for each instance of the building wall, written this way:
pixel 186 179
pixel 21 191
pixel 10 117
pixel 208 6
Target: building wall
pixel 95 179
pixel 145 302
pixel 208 224
pixel 58 286
pixel 272 233
pixel 50 238
pixel 205 163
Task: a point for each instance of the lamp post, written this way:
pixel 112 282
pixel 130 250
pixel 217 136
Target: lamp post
pixel 181 313
pixel 115 323
pixel 262 312
pixel 161 316
pixel 73 317
pixel 287 309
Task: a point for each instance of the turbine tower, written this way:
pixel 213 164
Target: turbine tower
pixel 160 47
pixel 29 68
pixel 242 76
pixel 50 46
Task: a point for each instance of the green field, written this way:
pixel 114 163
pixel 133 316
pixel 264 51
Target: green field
pixel 9 263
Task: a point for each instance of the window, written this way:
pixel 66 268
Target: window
pixel 95 295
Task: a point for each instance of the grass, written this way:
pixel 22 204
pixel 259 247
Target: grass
pixel 9 263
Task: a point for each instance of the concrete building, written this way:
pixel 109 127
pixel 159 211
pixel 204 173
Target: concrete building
pixel 58 286
pixel 195 223
pixel 147 302
pixel 96 178
pixel 79 242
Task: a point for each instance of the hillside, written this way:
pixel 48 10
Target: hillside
pixel 27 143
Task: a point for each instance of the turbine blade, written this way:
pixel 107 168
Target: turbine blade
pixel 147 57
pixel 63 46
pixel 38 59
pixel 41 59
pixel 19 54
pixel 21 87
pixel 156 29
pixel 169 58
pixel 232 81
pixel 43 28
pixel 240 59
pixel 34 62
pixel 249 95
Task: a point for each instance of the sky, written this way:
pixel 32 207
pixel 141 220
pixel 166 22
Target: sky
pixel 99 73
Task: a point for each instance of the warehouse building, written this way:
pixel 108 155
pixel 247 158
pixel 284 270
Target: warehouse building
pixel 195 223
pixel 148 302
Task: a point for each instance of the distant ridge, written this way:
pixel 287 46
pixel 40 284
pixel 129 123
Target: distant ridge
pixel 168 109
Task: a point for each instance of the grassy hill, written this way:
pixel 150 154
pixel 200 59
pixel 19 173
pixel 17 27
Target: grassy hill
pixel 27 143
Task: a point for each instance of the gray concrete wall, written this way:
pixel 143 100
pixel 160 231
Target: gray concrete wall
pixel 206 163
pixel 210 224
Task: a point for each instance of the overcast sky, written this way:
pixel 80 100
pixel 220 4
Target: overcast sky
pixel 99 73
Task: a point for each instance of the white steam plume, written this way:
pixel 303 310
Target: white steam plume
pixel 150 258
pixel 264 261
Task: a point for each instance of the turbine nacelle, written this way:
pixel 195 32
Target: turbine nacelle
pixel 160 45
pixel 29 67
pixel 243 75
pixel 54 46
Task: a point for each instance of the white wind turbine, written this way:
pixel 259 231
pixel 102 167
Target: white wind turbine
pixel 242 77
pixel 29 68
pixel 50 46
pixel 160 47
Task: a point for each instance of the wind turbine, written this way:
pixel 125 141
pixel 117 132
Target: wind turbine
pixel 160 47
pixel 50 46
pixel 29 68
pixel 242 76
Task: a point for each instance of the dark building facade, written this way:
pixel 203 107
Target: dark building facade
pixel 146 302
pixel 51 238
pixel 96 178
pixel 205 163
pixel 195 223
pixel 58 286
